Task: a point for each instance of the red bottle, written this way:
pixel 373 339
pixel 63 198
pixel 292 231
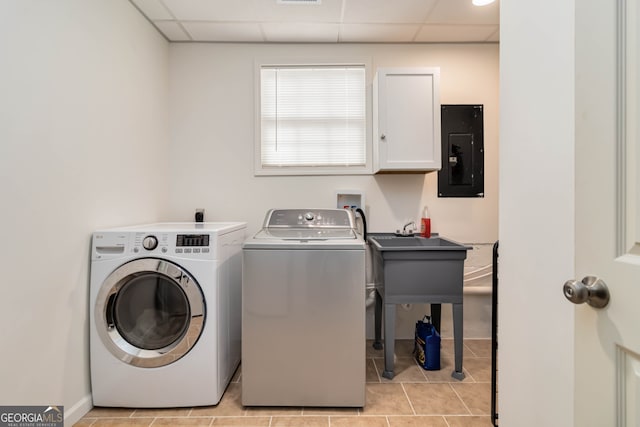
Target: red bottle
pixel 425 224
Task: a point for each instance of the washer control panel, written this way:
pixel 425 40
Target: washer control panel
pixel 333 218
pixel 189 244
pixel 195 241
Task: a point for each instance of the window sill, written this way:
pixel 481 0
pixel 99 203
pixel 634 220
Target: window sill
pixel 311 171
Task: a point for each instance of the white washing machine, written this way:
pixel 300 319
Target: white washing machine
pixel 165 304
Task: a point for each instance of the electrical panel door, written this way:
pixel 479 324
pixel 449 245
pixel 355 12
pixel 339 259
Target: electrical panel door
pixel 462 173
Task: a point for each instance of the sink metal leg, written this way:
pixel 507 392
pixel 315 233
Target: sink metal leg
pixel 457 341
pixel 377 343
pixel 389 339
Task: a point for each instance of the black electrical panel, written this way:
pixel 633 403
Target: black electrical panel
pixel 462 173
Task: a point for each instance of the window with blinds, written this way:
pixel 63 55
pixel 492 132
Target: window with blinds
pixel 312 117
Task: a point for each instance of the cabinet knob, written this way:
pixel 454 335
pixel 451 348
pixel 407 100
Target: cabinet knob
pixel 383 136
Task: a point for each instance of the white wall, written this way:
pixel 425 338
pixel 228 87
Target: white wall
pixel 211 154
pixel 535 333
pixel 83 145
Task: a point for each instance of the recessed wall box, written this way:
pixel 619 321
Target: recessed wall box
pixel 350 199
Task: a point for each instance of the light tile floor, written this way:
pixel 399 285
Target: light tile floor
pixel 413 398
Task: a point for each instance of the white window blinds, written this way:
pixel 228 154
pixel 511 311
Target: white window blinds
pixel 313 116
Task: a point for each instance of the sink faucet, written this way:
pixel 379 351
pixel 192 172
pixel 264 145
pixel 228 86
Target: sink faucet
pixel 404 228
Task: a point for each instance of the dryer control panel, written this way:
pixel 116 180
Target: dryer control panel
pixel 173 243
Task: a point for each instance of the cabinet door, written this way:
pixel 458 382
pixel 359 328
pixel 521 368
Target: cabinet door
pixel 407 119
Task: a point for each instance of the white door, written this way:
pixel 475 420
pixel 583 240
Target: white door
pixel 568 197
pixel 607 345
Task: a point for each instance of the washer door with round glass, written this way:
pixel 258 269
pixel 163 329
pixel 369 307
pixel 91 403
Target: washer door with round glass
pixel 149 312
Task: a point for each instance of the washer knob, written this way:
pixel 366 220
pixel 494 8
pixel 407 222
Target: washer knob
pixel 150 243
pixel 308 216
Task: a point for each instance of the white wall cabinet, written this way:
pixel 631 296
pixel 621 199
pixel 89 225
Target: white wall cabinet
pixel 406 120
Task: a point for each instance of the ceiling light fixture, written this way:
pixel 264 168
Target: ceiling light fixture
pixel 481 2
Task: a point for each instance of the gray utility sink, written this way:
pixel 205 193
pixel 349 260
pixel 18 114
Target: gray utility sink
pixel 414 269
pixel 391 242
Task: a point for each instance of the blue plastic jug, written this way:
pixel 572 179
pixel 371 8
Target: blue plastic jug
pixel 427 345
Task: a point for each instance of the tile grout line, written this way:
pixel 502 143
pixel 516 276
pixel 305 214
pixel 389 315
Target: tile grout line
pixel 422 370
pixel 469 349
pixel 461 399
pixel 408 399
pixel 375 366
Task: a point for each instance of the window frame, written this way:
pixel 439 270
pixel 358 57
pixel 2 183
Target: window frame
pixel 260 170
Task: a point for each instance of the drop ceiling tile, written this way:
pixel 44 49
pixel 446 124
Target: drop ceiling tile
pixel 301 32
pixel 254 11
pixel 172 30
pixel 153 9
pixel 455 33
pixel 364 20
pixel 387 12
pixel 464 12
pixel 203 10
pixel 224 31
pixel 372 33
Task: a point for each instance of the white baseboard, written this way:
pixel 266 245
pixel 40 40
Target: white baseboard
pixel 77 411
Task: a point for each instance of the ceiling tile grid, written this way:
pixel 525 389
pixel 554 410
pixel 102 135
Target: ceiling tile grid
pixel 323 21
